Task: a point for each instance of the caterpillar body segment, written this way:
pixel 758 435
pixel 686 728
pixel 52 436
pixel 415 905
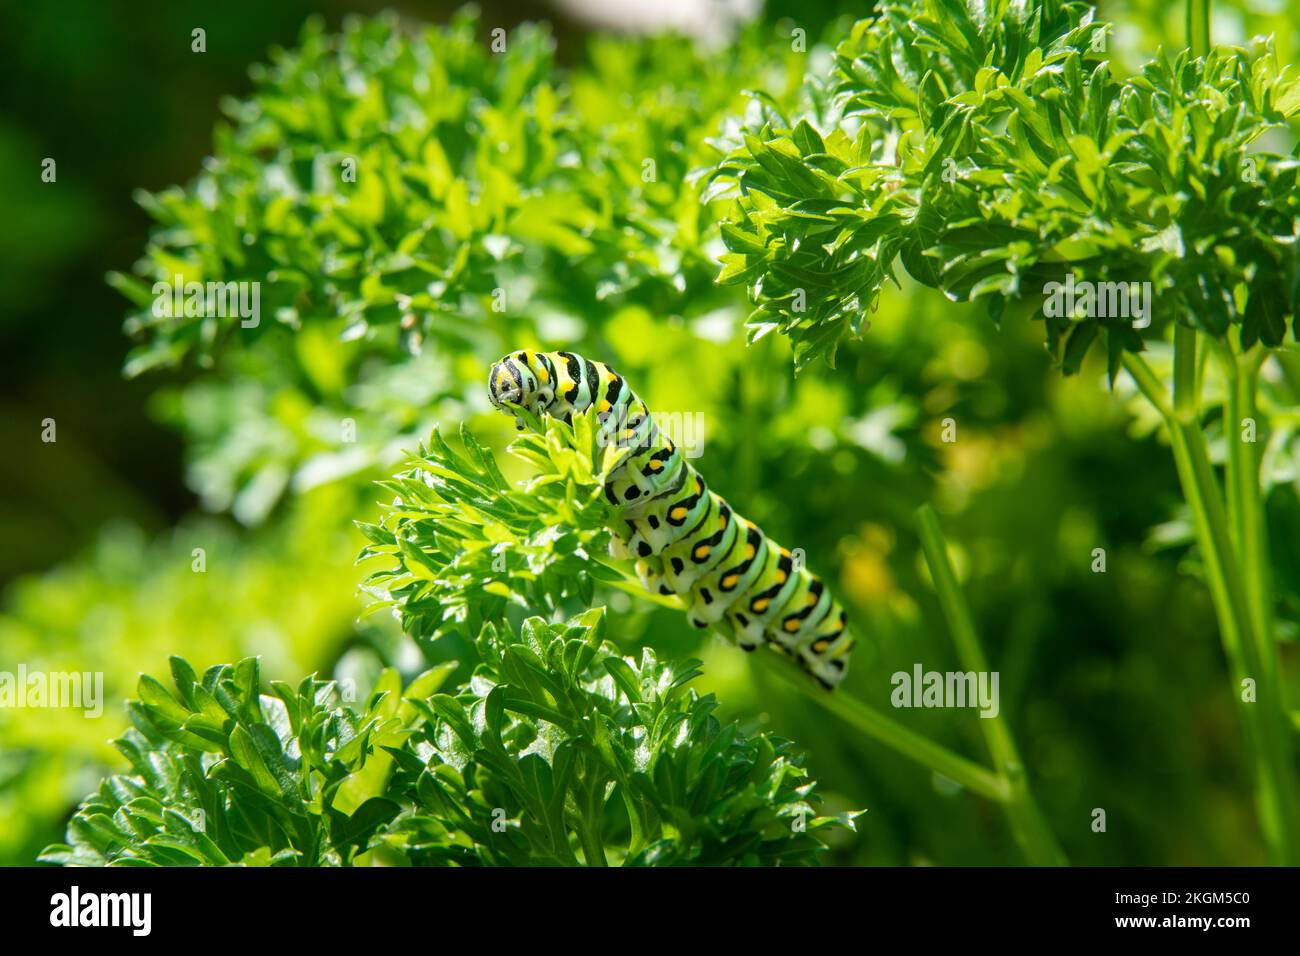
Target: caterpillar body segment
pixel 685 539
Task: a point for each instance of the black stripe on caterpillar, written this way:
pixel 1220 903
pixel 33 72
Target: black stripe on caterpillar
pixel 685 539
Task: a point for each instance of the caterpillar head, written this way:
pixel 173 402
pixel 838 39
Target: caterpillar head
pixel 513 382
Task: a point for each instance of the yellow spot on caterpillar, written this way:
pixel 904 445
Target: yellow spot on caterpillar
pixel 812 599
pixel 543 375
pixel 699 484
pixel 655 464
pixel 781 577
pixel 759 606
pixel 729 581
pixel 678 513
pixel 722 523
pixel 605 406
pixel 702 552
pixel 820 646
pixel 791 625
pixel 750 551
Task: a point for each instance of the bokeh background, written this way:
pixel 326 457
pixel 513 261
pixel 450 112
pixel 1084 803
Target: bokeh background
pixel 1114 682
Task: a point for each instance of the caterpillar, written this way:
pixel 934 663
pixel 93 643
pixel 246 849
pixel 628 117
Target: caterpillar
pixel 685 539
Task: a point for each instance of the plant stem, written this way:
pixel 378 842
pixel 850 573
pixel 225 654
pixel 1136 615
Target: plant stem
pixel 1251 653
pixel 876 725
pixel 1198 26
pixel 1247 503
pixel 1278 808
pixel 894 735
pixel 1199 486
pixel 589 831
pixel 1027 822
pixel 1185 391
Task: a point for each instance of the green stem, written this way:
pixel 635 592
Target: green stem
pixel 1234 467
pixel 894 735
pixel 592 852
pixel 1240 412
pixel 636 837
pixel 1264 719
pixel 1185 391
pixel 1198 26
pixel 1199 485
pixel 1278 802
pixel 1027 822
pixel 938 758
pixel 589 832
pixel 1148 384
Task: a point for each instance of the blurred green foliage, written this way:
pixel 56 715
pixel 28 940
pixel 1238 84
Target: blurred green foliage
pixel 132 601
pixel 474 172
pixel 1113 682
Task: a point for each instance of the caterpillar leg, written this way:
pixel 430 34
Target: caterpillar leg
pixel 620 536
pixel 726 585
pixel 703 547
pixel 826 655
pixel 766 596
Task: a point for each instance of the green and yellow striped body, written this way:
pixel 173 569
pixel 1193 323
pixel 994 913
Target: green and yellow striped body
pixel 685 539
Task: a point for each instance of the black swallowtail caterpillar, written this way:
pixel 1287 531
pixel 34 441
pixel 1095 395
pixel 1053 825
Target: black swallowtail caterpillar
pixel 686 539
